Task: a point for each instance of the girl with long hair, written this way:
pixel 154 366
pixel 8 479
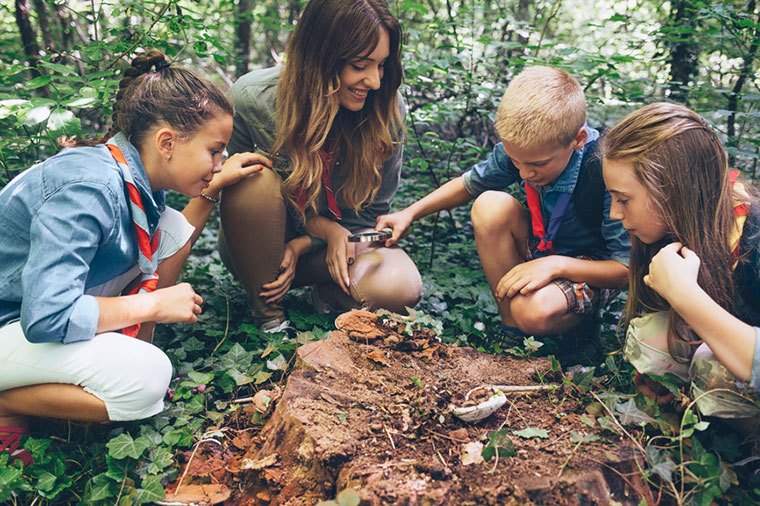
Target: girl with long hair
pixel 332 121
pixel 694 288
pixel 90 254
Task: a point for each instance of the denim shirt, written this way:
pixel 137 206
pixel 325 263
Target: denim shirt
pixel 574 238
pixel 65 227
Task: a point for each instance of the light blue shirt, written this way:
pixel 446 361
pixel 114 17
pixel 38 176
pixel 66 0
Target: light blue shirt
pixel 65 227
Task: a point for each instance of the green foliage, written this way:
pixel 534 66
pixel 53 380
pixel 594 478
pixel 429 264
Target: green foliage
pixel 458 57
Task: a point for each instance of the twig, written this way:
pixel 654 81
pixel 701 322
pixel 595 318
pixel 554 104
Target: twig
pixel 226 325
pixel 387 432
pixel 569 457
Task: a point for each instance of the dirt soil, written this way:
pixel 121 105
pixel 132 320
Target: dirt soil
pixel 369 408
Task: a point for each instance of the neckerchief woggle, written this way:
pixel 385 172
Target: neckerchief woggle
pixel 147 260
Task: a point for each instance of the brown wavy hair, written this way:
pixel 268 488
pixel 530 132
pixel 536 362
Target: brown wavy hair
pixel 680 161
pixel 151 91
pixel 329 35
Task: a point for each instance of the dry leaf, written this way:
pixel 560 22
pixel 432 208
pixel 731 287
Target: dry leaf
pixel 200 494
pixel 256 465
pixel 379 357
pixel 472 453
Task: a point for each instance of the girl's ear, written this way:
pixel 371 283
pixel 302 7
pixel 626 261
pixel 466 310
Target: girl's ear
pixel 166 140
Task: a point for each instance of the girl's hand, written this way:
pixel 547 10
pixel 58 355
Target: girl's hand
pixel 399 222
pixel 673 272
pixel 340 254
pixel 235 168
pixel 176 304
pixel 276 290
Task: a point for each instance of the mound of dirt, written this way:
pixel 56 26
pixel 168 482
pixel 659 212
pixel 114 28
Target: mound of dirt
pixel 370 408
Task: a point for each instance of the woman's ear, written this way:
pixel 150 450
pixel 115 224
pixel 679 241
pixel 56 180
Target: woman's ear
pixel 166 140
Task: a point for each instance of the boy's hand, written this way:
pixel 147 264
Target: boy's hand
pixel 399 222
pixel 529 276
pixel 673 271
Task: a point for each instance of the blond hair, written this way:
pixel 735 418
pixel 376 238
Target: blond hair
pixel 541 106
pixel 329 35
pixel 682 164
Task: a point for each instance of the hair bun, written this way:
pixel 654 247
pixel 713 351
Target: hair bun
pixel 152 61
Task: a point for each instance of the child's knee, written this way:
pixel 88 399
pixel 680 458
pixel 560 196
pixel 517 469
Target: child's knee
pixel 495 211
pixel 393 289
pixel 536 314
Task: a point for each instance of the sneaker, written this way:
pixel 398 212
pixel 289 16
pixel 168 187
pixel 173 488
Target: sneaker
pixel 279 326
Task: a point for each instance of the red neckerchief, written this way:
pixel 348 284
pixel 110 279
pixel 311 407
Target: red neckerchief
pixel 328 163
pixel 545 238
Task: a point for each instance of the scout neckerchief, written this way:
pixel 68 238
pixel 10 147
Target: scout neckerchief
pixel 741 211
pixel 147 260
pixel 545 237
pixel 328 163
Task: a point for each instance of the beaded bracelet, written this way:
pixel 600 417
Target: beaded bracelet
pixel 215 200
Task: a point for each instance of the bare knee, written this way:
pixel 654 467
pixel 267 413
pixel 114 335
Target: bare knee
pixel 537 313
pixel 391 287
pixel 495 212
pixel 262 188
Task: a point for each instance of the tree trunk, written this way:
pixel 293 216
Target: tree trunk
pixel 44 24
pixel 243 37
pixel 684 51
pixel 28 37
pixel 735 95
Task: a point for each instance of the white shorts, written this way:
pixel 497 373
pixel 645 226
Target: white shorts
pixel 129 375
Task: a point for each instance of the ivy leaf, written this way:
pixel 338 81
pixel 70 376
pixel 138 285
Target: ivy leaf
pixel 123 446
pixel 498 444
pixel 151 490
pixel 278 363
pixel 630 414
pixel 531 433
pixel 239 377
pixel 45 481
pixel 201 378
pixel 101 488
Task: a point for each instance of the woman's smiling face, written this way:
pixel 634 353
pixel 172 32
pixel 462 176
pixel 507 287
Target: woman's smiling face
pixel 363 74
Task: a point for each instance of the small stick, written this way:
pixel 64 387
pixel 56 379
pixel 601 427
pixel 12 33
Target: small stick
pixel 526 388
pixel 393 445
pixel 242 400
pixel 567 461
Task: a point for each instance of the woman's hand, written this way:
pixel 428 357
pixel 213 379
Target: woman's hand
pixel 276 290
pixel 235 168
pixel 176 304
pixel 340 254
pixel 673 272
pixel 399 222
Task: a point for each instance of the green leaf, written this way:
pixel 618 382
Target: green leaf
pixel 532 432
pixel 123 446
pixel 179 437
pixel 278 363
pixel 45 481
pixel 151 490
pixel 261 376
pixel 201 378
pixel 239 377
pixel 101 488
pixel 37 82
pixel 499 444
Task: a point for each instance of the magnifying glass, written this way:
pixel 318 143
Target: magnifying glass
pixel 371 236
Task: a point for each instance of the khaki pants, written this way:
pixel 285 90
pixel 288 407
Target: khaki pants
pixel 717 391
pixel 255 228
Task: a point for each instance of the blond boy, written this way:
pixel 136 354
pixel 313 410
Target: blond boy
pixel 546 262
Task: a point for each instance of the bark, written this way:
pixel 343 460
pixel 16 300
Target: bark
pixel 684 51
pixel 735 96
pixel 44 24
pixel 28 37
pixel 243 37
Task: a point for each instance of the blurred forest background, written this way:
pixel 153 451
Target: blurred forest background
pixel 59 72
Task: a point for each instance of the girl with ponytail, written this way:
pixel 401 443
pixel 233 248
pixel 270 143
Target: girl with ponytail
pixel 90 254
pixel 332 121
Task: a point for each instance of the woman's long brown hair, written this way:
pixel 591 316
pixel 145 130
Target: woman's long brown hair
pixel 680 161
pixel 329 35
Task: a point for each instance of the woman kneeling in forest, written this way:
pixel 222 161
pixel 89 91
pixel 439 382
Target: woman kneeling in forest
pixel 694 291
pixel 333 118
pixel 90 254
